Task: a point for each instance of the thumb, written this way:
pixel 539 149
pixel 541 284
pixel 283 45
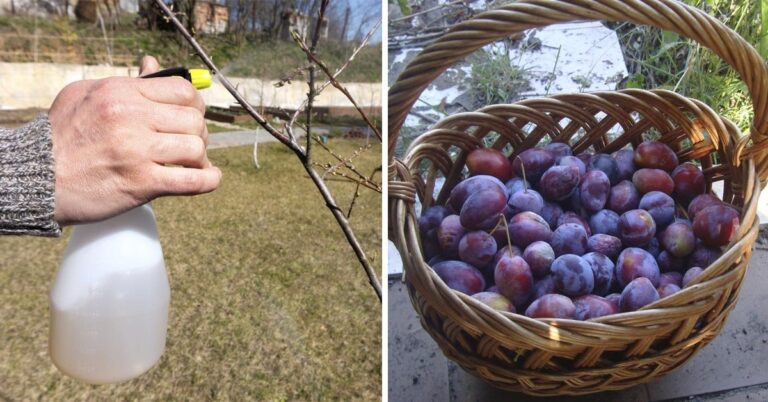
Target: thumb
pixel 148 65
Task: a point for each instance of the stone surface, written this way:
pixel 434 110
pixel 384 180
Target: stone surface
pixel 418 371
pixel 737 356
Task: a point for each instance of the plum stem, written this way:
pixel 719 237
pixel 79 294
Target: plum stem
pixel 525 181
pixel 503 219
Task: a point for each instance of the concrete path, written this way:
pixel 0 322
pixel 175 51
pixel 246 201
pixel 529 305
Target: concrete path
pixel 247 137
pixel 731 368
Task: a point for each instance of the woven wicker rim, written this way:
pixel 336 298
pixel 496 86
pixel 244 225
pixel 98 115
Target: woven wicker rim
pixel 480 338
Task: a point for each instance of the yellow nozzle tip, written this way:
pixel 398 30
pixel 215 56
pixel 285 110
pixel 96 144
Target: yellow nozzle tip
pixel 201 78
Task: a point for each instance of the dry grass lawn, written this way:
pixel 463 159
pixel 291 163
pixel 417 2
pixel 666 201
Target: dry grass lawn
pixel 268 301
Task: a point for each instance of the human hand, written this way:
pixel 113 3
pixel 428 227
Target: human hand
pixel 113 137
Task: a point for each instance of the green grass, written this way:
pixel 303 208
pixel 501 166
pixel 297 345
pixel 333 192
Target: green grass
pixel 495 78
pixel 213 128
pixel 78 42
pixel 665 60
pixel 268 301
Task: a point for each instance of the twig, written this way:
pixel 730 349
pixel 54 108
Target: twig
pixel 342 161
pixel 352 57
pixel 407 17
pixel 336 83
pixel 416 40
pixel 228 85
pixel 357 192
pixel 345 177
pixel 339 70
pixel 322 187
pixel 311 81
pixel 423 116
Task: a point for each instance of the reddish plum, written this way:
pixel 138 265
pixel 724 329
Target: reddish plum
pixel 615 299
pixel 655 155
pixel 515 252
pixel 689 182
pixel 489 161
pixel 700 202
pixel 716 225
pixel 647 180
pixel 514 279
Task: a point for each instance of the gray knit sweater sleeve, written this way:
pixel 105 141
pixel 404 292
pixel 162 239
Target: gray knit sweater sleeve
pixel 27 180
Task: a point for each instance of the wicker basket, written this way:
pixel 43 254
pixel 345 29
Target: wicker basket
pixel 555 356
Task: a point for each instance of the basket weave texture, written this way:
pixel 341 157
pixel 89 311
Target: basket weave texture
pixel 555 356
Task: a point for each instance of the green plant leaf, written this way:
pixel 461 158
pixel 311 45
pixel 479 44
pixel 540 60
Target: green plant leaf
pixel 404 8
pixel 636 81
pixel 763 44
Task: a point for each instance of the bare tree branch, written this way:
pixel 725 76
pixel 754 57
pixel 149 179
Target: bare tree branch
pixel 336 84
pixel 345 162
pixel 357 192
pixel 311 82
pixel 225 82
pixel 340 69
pixel 292 145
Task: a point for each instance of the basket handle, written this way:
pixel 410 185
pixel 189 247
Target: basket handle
pixel 518 16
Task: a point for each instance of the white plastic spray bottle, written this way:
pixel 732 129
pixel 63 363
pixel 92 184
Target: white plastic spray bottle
pixel 109 302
